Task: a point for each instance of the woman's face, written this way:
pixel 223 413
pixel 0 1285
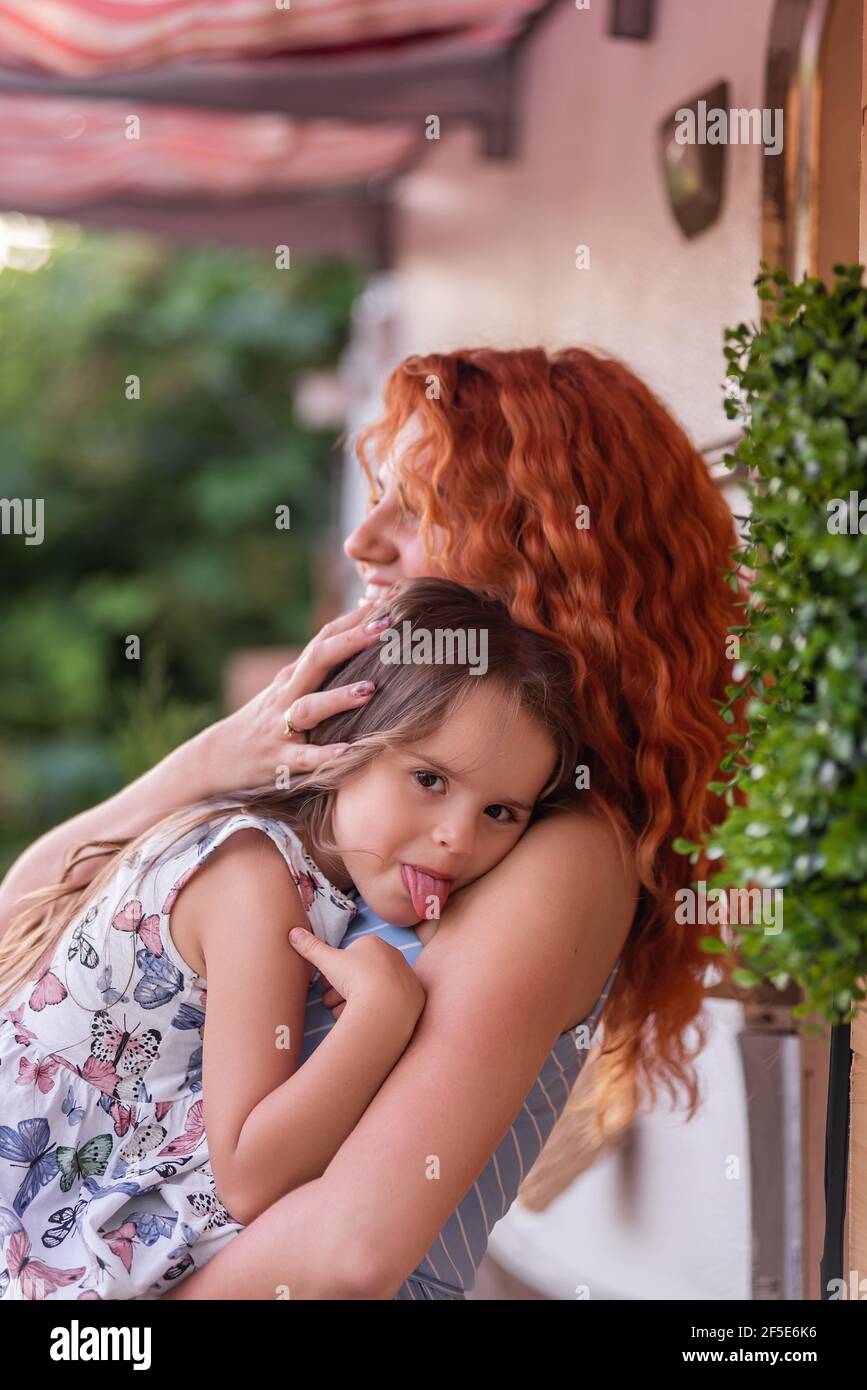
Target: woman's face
pixel 386 547
pixel 453 804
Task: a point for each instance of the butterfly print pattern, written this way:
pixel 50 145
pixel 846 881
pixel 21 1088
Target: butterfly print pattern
pixel 106 1190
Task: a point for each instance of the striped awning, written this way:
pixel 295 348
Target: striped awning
pixel 177 115
pixel 87 38
pixel 60 151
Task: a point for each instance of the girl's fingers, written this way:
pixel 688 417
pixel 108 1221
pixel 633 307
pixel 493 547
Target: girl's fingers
pixel 330 997
pixel 307 944
pixel 319 953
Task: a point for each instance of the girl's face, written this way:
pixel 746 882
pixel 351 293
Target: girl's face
pixel 419 823
pixel 386 546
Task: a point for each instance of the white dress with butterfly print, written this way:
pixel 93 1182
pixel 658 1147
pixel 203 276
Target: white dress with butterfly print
pixel 106 1189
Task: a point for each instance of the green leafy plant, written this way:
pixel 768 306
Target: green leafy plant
pixel 159 504
pixel 152 721
pixel 801 823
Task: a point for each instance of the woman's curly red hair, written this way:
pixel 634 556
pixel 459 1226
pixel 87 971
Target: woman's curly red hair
pixel 512 443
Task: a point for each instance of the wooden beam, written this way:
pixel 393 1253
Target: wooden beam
pixel 461 84
pixel 356 226
pixel 770 1058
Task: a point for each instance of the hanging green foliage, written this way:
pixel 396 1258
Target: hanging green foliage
pixel 801 383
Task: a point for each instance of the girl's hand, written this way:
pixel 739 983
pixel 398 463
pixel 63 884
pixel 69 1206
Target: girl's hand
pixel 332 998
pixel 368 971
pixel 246 748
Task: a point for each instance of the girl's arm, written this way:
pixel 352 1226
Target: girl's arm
pixel 518 956
pixel 271 1124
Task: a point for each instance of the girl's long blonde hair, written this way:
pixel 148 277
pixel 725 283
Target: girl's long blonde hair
pixel 532 673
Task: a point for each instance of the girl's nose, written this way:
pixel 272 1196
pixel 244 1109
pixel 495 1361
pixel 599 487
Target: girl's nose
pixel 456 836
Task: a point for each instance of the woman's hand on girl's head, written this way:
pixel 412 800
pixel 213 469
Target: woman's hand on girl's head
pixel 247 747
pixel 244 750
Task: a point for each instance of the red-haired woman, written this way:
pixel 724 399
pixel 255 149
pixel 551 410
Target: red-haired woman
pixel 559 483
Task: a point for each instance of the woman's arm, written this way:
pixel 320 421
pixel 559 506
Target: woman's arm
pixel 242 750
pixel 183 776
pixel 512 954
pixel 272 1125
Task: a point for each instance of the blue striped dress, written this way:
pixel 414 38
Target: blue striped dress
pixel 448 1270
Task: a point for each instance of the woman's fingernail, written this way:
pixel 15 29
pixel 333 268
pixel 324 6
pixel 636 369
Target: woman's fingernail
pixel 363 688
pixel 377 623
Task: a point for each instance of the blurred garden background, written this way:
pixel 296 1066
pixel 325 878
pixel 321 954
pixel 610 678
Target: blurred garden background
pixel 161 511
pixel 450 162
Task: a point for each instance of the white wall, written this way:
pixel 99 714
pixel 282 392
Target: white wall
pixel 487 249
pixel 661 1218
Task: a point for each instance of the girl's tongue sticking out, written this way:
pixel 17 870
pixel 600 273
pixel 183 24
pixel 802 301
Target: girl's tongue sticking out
pixel 422 887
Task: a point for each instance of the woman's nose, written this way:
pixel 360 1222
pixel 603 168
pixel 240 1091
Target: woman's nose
pixel 369 542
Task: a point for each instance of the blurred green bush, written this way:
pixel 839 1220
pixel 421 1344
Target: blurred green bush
pixel 159 511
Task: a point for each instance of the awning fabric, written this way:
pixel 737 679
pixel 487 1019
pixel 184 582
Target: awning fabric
pixel 86 38
pixel 243 102
pixel 57 152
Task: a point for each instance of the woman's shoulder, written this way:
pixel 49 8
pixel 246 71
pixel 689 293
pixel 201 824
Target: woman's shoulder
pixel 577 841
pixel 582 846
pixel 570 895
pixel 579 818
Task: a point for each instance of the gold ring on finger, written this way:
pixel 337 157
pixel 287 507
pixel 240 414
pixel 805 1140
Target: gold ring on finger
pixel 288 727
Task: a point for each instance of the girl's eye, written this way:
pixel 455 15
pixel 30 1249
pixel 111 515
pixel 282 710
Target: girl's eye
pixel 509 817
pixel 422 773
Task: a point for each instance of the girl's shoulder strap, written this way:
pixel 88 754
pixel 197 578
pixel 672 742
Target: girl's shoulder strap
pixel 328 910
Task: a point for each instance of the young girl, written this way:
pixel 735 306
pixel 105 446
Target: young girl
pixel 136 1139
